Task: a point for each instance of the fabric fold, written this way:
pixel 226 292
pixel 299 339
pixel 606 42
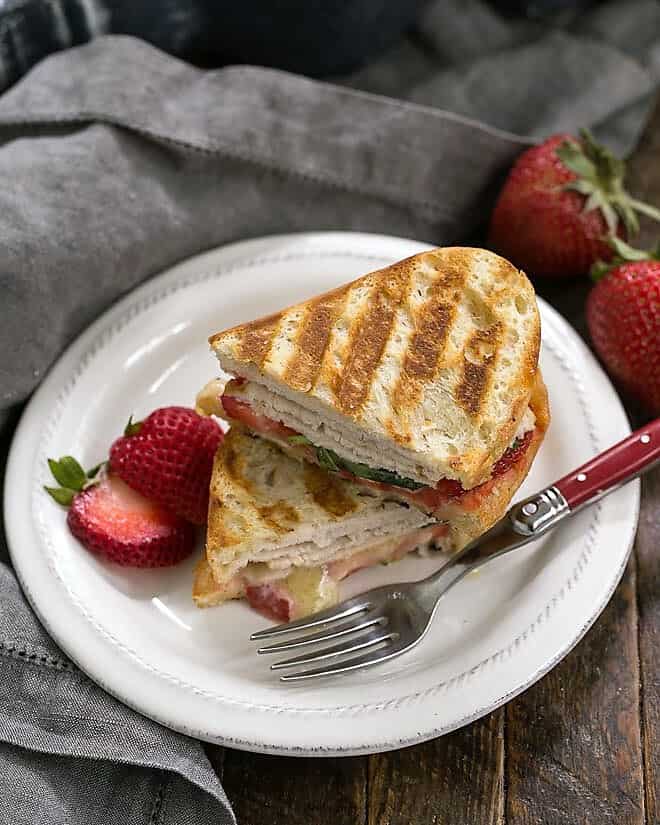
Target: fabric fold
pixel 170 161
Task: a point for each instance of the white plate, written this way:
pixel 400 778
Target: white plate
pixel 138 634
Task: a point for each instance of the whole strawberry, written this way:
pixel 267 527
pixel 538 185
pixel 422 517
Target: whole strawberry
pixel 623 315
pixel 168 458
pixel 560 202
pixel 115 522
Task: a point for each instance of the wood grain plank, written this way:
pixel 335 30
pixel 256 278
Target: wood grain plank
pixel 455 780
pixel 278 790
pixel 643 177
pixel 573 740
pixel 648 598
pixel 644 181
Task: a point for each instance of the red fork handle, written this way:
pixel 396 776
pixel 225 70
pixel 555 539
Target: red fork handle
pixel 616 466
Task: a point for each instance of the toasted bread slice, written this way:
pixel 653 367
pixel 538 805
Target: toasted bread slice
pixel 425 367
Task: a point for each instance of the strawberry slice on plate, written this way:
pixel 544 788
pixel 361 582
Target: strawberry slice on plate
pixel 112 520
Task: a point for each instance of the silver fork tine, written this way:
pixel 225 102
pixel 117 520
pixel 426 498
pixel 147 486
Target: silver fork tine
pixel 322 636
pixel 365 659
pixel 331 614
pixel 362 643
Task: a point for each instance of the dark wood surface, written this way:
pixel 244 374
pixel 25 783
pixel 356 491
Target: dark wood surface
pixel 581 747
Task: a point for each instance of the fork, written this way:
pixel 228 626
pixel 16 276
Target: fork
pixel 387 621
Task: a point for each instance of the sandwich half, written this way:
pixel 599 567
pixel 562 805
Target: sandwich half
pixel 419 380
pixel 282 533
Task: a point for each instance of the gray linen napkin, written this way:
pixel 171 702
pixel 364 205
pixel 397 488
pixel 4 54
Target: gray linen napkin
pixel 598 68
pixel 116 162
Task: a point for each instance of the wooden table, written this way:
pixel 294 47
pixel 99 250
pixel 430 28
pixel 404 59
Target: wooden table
pixel 580 747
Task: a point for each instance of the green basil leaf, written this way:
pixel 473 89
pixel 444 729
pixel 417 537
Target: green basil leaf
pixel 299 439
pixel 389 477
pixel 327 459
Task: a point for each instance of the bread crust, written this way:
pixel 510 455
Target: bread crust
pixel 480 509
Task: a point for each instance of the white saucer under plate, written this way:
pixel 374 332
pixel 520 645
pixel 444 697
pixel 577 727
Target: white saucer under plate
pixel 138 634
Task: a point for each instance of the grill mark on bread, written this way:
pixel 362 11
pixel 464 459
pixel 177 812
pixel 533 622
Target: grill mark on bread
pixel 479 358
pixel 426 346
pixel 420 363
pixel 327 492
pixel 256 339
pixel 424 355
pixel 368 337
pixel 433 321
pixel 312 340
pixel 281 517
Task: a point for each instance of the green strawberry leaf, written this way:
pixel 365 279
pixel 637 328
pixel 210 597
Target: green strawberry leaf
pixel 626 252
pixel 94 474
pixel 62 495
pixel 133 427
pixel 94 471
pixel 599 269
pixel 573 157
pixel 645 209
pixel 600 178
pixel 607 165
pixel 610 215
pixel 623 254
pixel 68 472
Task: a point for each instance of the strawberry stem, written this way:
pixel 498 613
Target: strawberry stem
pixel 623 254
pixel 600 179
pixel 132 427
pixel 645 209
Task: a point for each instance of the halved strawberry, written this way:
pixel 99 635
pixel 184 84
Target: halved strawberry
pixel 168 458
pixel 116 522
pixel 113 521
